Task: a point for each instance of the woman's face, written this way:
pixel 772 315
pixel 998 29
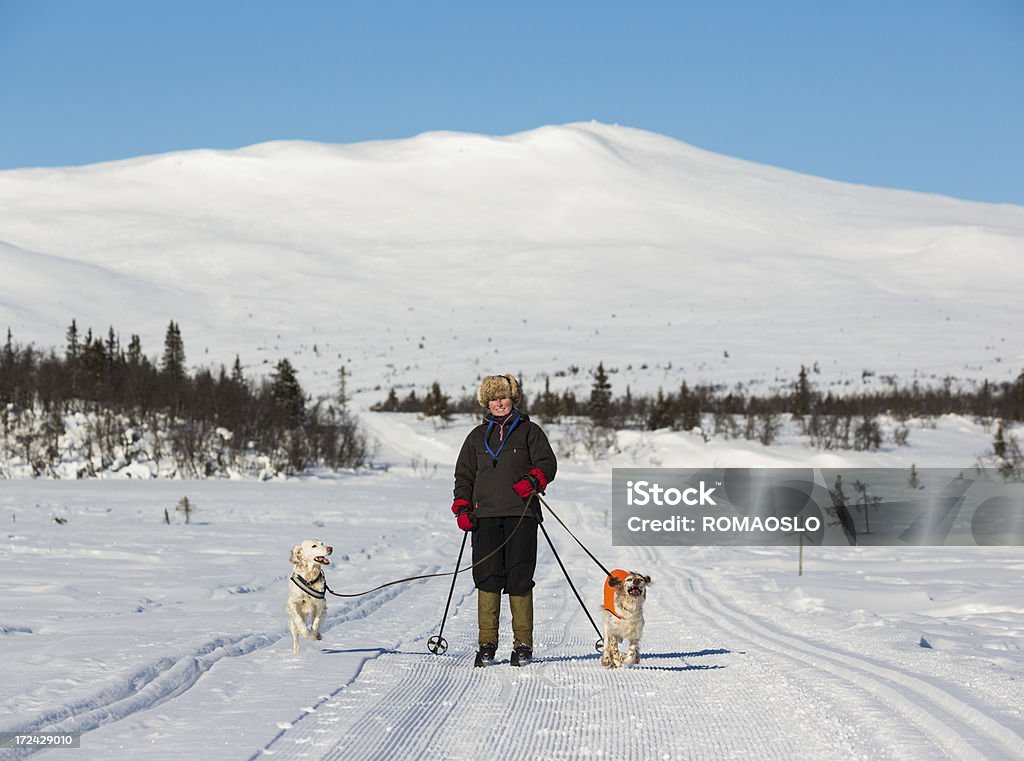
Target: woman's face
pixel 500 407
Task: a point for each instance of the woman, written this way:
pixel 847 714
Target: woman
pixel 504 463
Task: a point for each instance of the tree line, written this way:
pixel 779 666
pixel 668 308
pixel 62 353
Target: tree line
pixel 831 421
pixel 205 420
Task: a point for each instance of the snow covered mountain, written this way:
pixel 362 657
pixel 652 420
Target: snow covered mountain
pixel 444 257
pixel 449 255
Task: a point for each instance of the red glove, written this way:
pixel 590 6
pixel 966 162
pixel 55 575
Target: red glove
pixel 463 510
pixel 532 483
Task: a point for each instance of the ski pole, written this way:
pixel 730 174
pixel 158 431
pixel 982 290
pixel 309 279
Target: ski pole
pixel 599 645
pixel 438 645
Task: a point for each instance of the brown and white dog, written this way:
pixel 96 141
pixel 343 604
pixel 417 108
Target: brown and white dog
pixel 624 595
pixel 307 589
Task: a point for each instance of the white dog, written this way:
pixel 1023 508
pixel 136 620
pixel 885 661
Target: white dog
pixel 624 596
pixel 307 589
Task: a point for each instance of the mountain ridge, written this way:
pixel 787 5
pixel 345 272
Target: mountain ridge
pixel 562 226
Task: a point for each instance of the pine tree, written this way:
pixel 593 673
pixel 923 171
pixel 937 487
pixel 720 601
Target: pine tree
pixel 1018 401
pixel 549 405
pixel 802 396
pixel 7 373
pixel 341 398
pixel 113 348
pixel 599 408
pixel 135 351
pixel 626 406
pixel 173 362
pixel 172 368
pixel 688 407
pixel 73 347
pixel 661 412
pixel 71 359
pixel 93 360
pixel 999 442
pixel 411 403
pixel 388 405
pixel 287 395
pixel 435 403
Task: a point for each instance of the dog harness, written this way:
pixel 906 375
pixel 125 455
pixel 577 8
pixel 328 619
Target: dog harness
pixel 307 586
pixel 609 591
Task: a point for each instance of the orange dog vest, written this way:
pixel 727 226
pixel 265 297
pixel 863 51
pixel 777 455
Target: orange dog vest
pixel 609 591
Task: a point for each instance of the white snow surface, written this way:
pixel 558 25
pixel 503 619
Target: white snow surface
pixel 450 256
pixel 170 641
pixel 410 261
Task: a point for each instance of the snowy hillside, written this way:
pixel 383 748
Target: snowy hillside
pixel 170 641
pixel 448 255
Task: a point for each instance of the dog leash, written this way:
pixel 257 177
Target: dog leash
pixel 562 524
pixel 488 556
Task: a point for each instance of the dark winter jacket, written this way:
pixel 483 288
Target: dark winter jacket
pixel 485 477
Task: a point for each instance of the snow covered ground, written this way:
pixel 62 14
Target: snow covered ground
pixel 449 256
pixel 170 641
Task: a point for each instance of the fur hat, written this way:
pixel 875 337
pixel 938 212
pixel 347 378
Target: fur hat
pixel 498 387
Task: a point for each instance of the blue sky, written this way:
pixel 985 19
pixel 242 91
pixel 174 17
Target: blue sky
pixel 919 94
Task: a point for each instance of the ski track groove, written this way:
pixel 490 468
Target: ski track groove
pixel 400 703
pixel 170 677
pixel 960 730
pixel 561 706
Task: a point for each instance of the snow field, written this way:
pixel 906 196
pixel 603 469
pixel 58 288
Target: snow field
pixel 172 641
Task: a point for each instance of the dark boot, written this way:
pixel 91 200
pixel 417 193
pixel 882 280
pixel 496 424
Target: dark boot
pixel 485 655
pixel 520 655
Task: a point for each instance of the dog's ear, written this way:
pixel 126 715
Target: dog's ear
pixel 647 580
pixel 614 581
pixel 295 557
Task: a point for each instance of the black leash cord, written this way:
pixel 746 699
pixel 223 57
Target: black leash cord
pixel 438 575
pixel 599 563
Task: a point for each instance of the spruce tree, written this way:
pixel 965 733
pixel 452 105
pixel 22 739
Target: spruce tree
pixel 287 395
pixel 802 396
pixel 172 368
pixel 688 408
pixel 600 407
pixel 73 346
pixel 173 362
pixel 113 348
pixel 549 405
pixel 435 404
pixel 661 412
pixel 71 358
pixel 341 398
pixel 135 351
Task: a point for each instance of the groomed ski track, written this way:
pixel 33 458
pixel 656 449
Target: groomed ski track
pixel 723 675
pixel 715 682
